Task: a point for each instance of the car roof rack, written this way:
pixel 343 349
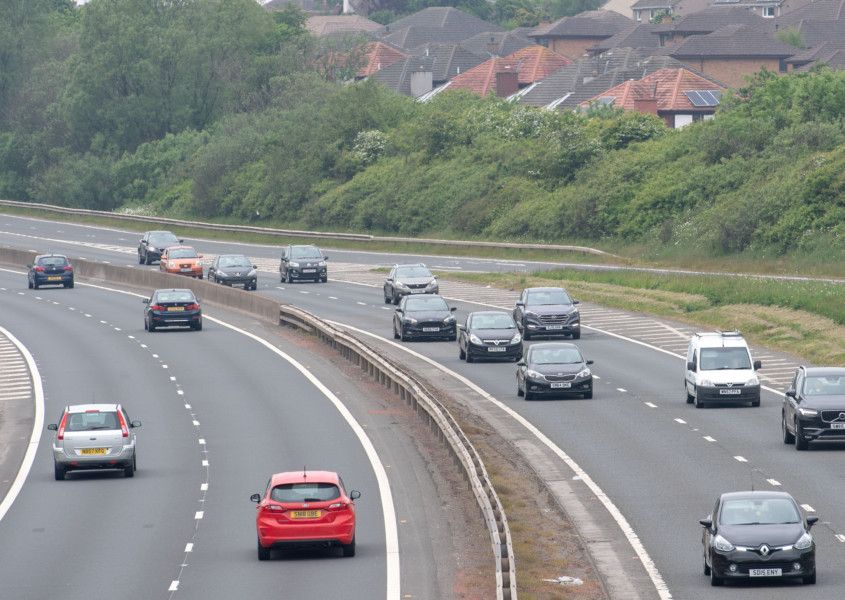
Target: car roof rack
pixel 735 333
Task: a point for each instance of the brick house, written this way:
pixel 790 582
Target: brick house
pixel 377 56
pixel 572 36
pixel 707 21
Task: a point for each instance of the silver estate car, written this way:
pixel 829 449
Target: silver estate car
pixel 94 436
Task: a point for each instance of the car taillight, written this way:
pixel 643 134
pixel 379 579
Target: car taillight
pixel 123 428
pixel 60 434
pixel 156 307
pixel 39 269
pixel 338 506
pixel 274 508
pixel 68 268
pixel 193 306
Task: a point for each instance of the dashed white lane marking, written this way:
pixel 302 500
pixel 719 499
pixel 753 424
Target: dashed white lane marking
pixel 279 287
pixel 188 406
pixel 143 345
pixel 681 421
pixel 87 315
pixel 740 458
pixel 198 515
pixel 205 463
pixel 155 355
pixel 202 441
pixel 196 423
pixel 204 487
pixel 840 537
pixel 172 378
pixel 180 392
pixel 808 508
pixel 594 375
pixel 388 308
pixel 773 482
pixel 361 303
pixel 650 404
pixel 709 438
pixel 163 366
pixel 174 586
pixel 623 390
pixel 189 547
pixel 304 292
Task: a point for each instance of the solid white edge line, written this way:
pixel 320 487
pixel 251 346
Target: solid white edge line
pixel 621 521
pixel 37 426
pixel 391 532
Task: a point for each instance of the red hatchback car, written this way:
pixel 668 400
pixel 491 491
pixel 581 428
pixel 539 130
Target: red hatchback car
pixel 305 508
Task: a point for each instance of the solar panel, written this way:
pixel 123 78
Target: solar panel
pixel 703 98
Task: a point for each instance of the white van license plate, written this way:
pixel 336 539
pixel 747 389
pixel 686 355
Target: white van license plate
pixel 730 392
pixel 765 572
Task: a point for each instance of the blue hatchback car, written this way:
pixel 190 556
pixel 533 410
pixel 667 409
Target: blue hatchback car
pixel 50 269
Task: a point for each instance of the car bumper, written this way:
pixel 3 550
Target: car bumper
pixel 744 561
pixel 115 460
pixel 192 273
pixel 578 386
pixel 55 279
pixel 175 319
pixel 272 534
pixel 510 352
pixel 443 331
pixel 415 292
pixel 748 393
pixel 815 429
pixel 300 274
pixel 245 281
pixel 536 328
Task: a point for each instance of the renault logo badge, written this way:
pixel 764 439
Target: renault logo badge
pixel 764 550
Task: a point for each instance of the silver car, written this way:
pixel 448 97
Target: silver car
pixel 94 436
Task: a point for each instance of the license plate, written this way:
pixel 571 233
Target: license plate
pixel 186 269
pixel 561 384
pixel 765 572
pixel 496 349
pixel 175 308
pixel 837 425
pixel 730 392
pixel 309 270
pixel 305 514
pixel 431 329
pixel 54 278
pixel 93 451
pixel 417 291
pixel 554 327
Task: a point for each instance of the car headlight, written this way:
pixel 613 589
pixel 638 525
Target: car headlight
pixel 410 320
pixel 808 412
pixel 475 339
pixel 295 265
pixel 753 381
pixel 516 338
pixel 449 319
pixel 399 284
pixel 535 374
pixel 322 263
pixel 804 542
pixel 431 284
pixel 528 313
pixel 722 544
pixel 252 273
pixel 584 373
pixel 152 249
pixel 706 383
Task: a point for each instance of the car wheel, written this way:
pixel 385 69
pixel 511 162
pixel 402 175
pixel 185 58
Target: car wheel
pixel 395 299
pixel 755 402
pixel 690 398
pixel 788 438
pixel 698 403
pixel 461 354
pixel 28 284
pixel 528 395
pixel 288 277
pixel 588 395
pixel 147 260
pixel 324 279
pixel 34 285
pixel 59 472
pixel 129 470
pixel 801 442
pixel 715 580
pixel 349 549
pixel 519 391
pixel 198 326
pixel 150 326
pixel 140 259
pixel 453 338
pixel 469 357
pixel 387 299
pixel 263 553
pixel 70 285
pixel 809 579
pixel 576 335
pixel 402 335
pixel 395 332
pixel 706 568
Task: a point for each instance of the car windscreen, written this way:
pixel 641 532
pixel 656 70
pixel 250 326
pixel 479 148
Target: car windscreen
pixel 305 492
pixel 92 421
pixel 721 359
pixel 830 385
pixel 419 303
pixel 554 356
pixel 52 261
pixel 493 321
pixel 234 261
pixel 182 253
pixel 174 297
pixel 540 297
pixel 410 272
pixel 306 252
pixel 162 240
pixel 766 511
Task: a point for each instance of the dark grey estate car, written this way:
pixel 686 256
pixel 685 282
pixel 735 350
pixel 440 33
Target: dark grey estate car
pixel 814 406
pixel 303 262
pixel 233 269
pixel 548 312
pixel 405 280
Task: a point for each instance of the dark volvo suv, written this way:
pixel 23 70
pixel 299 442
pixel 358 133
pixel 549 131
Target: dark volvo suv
pixel 814 406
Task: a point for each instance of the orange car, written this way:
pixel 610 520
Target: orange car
pixel 181 260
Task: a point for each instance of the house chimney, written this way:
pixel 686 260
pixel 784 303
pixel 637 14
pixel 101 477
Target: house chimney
pixel 645 101
pixel 507 83
pixel 422 82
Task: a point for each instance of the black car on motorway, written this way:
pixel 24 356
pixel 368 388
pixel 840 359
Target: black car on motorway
pixel 814 406
pixel 404 280
pixel 50 269
pixel 554 368
pixel 489 334
pixel 303 262
pixel 424 317
pixel 547 311
pixel 233 269
pixel 751 535
pixel 172 308
pixel 153 244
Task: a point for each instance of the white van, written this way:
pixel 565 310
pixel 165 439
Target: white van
pixel 720 369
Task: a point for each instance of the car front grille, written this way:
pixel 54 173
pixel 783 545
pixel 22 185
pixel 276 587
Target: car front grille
pixel 730 385
pixel 416 286
pixel 556 319
pixel 831 416
pixel 560 377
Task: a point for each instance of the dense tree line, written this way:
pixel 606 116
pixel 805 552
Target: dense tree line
pixel 215 109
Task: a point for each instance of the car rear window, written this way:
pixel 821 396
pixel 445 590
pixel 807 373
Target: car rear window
pixel 174 297
pixel 305 492
pixel 52 261
pixel 92 421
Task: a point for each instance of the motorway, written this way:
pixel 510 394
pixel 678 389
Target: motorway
pixel 661 461
pixel 220 413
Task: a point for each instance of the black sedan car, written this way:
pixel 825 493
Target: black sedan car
pixel 50 269
pixel 153 244
pixel 548 312
pixel 814 406
pixel 553 368
pixel 489 335
pixel 233 269
pixel 303 263
pixel 752 535
pixel 424 317
pixel 172 308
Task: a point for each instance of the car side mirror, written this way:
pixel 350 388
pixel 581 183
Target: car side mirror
pixel 790 393
pixel 389 279
pixel 134 424
pixel 589 362
pixel 181 241
pixel 461 327
pixel 576 302
pixel 254 266
pixel 521 304
pixel 812 520
pixel 706 523
pixel 758 365
pixel 400 311
pixel 145 301
pixel 53 427
pixel 255 498
pixel 199 255
pixel 325 258
pixel 354 494
pixel 145 242
pixel 690 366
pixel 520 363
pixel 453 309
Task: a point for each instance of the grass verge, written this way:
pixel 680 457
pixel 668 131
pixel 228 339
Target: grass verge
pixel 806 319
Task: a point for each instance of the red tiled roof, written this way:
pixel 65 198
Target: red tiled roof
pixel 536 63
pixel 378 56
pixel 482 79
pixel 666 85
